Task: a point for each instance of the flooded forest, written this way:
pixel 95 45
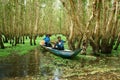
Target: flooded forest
pixel 93 26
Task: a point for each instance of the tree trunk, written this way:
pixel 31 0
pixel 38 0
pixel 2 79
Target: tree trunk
pixel 71 45
pixel 34 39
pixel 108 39
pixel 84 47
pixel 23 40
pixel 117 43
pixel 16 40
pixel 79 43
pixel 95 47
pixel 5 39
pixel 106 47
pixel 30 40
pixel 13 41
pixel 1 42
pixel 26 37
pixel 95 39
pixel 71 42
pixel 10 41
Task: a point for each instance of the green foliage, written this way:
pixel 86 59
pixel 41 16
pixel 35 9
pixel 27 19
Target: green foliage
pixel 19 49
pixel 82 65
pixel 26 48
pixel 118 16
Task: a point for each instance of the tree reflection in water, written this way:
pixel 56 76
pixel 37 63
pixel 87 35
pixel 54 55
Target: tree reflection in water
pixel 45 66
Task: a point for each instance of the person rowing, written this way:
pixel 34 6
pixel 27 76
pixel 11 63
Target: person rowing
pixel 59 44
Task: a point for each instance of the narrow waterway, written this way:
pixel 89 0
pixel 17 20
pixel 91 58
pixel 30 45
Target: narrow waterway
pixel 38 65
pixel 35 64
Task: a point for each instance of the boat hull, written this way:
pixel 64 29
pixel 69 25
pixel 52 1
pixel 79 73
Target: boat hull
pixel 62 53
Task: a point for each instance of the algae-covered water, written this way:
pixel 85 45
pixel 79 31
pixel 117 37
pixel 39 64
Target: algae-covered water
pixel 38 65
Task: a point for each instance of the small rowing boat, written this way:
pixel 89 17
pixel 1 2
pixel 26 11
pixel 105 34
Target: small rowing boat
pixel 62 53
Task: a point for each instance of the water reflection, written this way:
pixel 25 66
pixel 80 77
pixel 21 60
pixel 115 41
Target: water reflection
pixel 19 66
pixel 45 66
pixel 33 64
pixel 57 74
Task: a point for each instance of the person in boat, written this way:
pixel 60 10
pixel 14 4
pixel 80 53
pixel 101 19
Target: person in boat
pixel 59 44
pixel 47 40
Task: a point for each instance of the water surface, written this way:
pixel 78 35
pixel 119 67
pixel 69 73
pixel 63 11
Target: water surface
pixel 38 65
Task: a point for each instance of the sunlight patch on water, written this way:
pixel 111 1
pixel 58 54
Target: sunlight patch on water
pixel 57 74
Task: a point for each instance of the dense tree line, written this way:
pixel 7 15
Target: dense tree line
pixel 83 22
pixel 93 22
pixel 32 18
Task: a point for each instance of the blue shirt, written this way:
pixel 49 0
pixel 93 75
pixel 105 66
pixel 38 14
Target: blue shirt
pixel 61 43
pixel 47 39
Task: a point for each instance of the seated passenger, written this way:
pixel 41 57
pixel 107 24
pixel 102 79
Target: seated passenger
pixel 59 44
pixel 47 41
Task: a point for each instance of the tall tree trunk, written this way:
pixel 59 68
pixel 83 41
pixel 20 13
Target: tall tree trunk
pixel 117 43
pixel 79 43
pixel 1 42
pixel 95 48
pixel 16 40
pixel 95 39
pixel 110 31
pixel 71 43
pixel 13 41
pixel 30 37
pixel 23 39
pixel 34 40
pixel 5 39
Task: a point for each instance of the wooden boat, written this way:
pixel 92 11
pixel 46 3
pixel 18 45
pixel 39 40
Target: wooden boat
pixel 62 53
